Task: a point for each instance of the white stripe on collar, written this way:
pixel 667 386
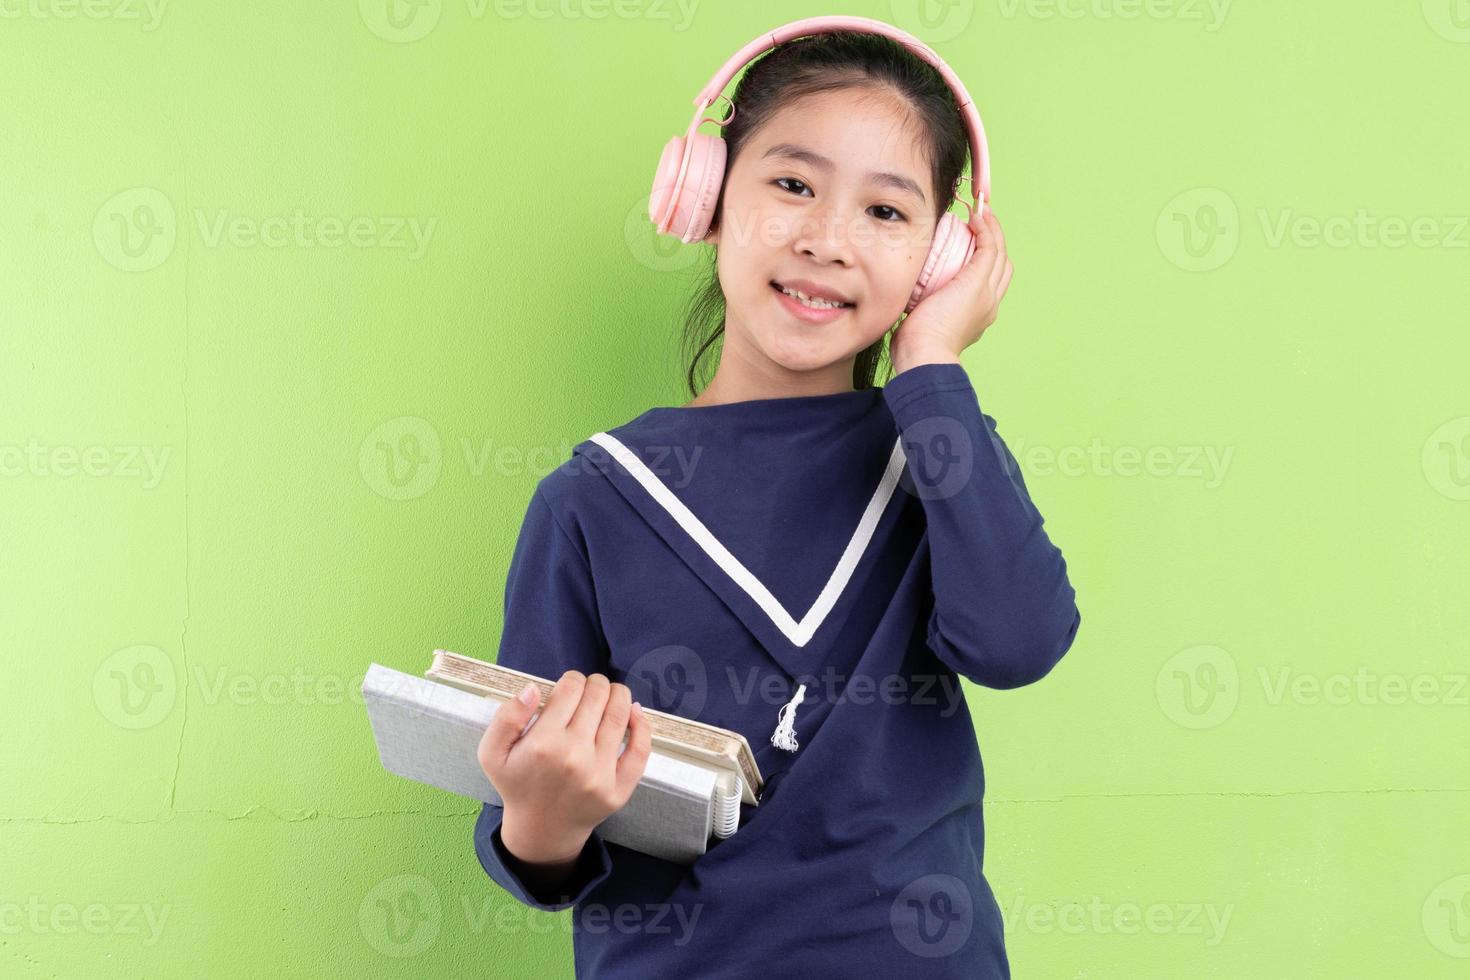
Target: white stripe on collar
pixel 797 632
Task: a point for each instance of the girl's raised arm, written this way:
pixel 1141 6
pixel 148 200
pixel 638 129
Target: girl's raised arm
pixel 1004 612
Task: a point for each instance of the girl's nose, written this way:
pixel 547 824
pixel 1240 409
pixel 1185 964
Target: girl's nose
pixel 825 236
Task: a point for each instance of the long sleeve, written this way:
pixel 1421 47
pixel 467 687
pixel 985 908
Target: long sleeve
pixel 550 626
pixel 1004 611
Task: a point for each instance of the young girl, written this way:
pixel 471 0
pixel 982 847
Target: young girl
pixel 797 555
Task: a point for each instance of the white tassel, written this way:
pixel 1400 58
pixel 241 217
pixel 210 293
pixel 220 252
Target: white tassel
pixel 784 737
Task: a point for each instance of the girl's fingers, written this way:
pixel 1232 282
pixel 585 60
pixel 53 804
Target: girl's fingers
pixel 988 225
pixel 1005 282
pixel 990 264
pixel 1002 263
pixel 1000 237
pixel 634 759
pixel 988 236
pixel 984 262
pixel 981 227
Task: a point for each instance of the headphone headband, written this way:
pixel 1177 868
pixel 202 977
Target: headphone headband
pixel 979 149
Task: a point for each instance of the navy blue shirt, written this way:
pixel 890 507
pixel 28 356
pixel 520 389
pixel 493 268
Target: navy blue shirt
pixel 814 572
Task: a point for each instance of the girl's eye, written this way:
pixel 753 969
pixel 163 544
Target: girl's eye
pixel 792 180
pixel 783 181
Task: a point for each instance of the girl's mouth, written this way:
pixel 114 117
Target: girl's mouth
pixel 809 310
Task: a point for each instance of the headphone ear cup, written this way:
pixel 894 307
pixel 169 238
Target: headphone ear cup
pixel 706 174
pixel 686 209
pixel 952 246
pixel 661 197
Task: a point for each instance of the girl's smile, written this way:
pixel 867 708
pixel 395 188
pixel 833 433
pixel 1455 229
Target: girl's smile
pixel 810 309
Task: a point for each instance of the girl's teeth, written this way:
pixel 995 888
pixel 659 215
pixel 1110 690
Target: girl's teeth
pixel 805 300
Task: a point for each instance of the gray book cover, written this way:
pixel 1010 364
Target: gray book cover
pixel 430 732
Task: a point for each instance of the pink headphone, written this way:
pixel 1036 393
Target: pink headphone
pixel 687 184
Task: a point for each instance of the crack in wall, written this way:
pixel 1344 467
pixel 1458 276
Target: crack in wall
pixel 299 816
pixel 184 398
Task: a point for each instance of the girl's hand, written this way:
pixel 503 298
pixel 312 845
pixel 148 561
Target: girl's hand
pixel 565 775
pixel 953 317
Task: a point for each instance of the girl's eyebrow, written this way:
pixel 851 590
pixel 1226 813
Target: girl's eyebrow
pixel 793 152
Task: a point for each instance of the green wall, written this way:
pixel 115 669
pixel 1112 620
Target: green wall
pixel 1232 363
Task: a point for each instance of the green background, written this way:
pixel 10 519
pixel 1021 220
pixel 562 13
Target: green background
pixel 1257 744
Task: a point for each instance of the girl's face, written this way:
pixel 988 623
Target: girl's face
pixel 833 190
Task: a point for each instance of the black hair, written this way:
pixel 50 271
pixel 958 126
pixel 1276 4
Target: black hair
pixel 825 63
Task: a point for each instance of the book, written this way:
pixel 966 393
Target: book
pixel 672 734
pixel 428 729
